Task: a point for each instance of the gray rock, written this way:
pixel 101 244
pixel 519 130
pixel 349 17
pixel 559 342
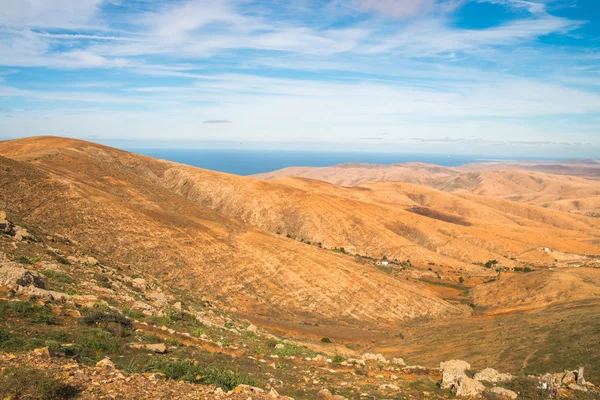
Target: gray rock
pixel 580 378
pixel 491 375
pixel 375 357
pixel 503 392
pixel 12 275
pixel 568 377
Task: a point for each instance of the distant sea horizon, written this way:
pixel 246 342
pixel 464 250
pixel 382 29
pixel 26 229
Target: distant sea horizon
pixel 252 162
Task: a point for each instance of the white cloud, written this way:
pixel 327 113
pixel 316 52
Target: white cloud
pixel 66 14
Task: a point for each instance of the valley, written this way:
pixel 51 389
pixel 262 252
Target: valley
pixel 500 268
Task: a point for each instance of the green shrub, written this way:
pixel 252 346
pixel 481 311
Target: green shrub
pixel 190 371
pixel 27 260
pixel 95 343
pixel 34 313
pixel 11 342
pixel 29 383
pixel 57 276
pixel 337 359
pixel 325 340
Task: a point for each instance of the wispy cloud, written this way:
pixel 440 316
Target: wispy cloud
pixel 411 68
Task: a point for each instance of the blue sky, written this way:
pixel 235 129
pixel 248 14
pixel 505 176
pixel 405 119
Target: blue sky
pixel 505 77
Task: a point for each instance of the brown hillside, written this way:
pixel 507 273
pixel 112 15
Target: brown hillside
pixel 559 192
pixel 119 206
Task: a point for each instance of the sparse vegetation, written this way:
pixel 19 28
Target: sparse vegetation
pixel 32 312
pixel 190 371
pixel 57 276
pixel 29 383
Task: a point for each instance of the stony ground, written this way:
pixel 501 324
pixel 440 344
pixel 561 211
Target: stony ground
pixel 83 329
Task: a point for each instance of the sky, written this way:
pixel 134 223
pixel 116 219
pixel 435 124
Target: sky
pixel 496 77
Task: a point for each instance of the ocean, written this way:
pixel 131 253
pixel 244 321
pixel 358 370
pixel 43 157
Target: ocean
pixel 250 162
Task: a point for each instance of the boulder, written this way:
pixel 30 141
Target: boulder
pixel 509 394
pixel 467 387
pixel 324 394
pixel 491 375
pixel 106 365
pixel 247 389
pixel 43 352
pixel 375 357
pixel 580 378
pixel 252 328
pixel 574 386
pixel 12 275
pixel 398 361
pixel 455 378
pixel 159 348
pixel 451 371
pixel 139 283
pixel 568 377
pixel 279 346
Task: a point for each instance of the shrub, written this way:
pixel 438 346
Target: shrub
pixel 190 371
pixel 96 342
pixel 27 260
pixel 325 340
pixel 36 314
pixel 337 359
pixel 30 383
pixel 12 342
pixel 102 317
pixel 57 276
pixel 461 279
pixel 103 280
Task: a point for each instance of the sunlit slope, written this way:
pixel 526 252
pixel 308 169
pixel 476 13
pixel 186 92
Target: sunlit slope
pixel 133 209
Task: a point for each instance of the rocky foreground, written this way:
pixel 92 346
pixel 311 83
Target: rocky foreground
pixel 73 327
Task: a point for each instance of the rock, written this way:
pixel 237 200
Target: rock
pixel 19 233
pixel 398 361
pixel 568 377
pixel 43 352
pixel 580 378
pixel 549 381
pixel 503 392
pixel 455 378
pixel 156 376
pixel 12 275
pixel 43 294
pixel 467 387
pixel 388 387
pixel 279 346
pixel 273 393
pixel 159 348
pixel 324 394
pixel 374 357
pixel 106 365
pixel 247 389
pixel 85 300
pixel 491 375
pixel 146 309
pixel 139 283
pixel 252 328
pixel 91 260
pixel 451 371
pixel 574 386
pixel 356 361
pixel 177 306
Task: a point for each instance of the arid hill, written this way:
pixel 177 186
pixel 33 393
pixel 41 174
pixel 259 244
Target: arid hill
pixel 137 210
pixel 468 274
pixel 544 185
